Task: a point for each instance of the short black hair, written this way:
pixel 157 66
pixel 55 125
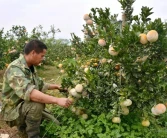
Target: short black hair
pixel 35 45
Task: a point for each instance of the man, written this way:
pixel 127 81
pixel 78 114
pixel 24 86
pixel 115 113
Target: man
pixel 23 97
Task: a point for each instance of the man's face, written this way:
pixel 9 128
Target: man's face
pixel 37 58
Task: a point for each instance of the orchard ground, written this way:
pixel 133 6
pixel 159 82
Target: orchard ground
pixel 47 73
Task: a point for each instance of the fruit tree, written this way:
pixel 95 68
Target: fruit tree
pixel 118 78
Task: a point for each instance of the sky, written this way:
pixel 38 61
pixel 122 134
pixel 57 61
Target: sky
pixel 67 15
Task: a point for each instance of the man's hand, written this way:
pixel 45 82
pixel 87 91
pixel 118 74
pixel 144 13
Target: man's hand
pixel 64 102
pixel 58 87
pixel 63 89
pixel 40 97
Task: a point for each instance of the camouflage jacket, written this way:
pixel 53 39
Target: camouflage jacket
pixel 18 82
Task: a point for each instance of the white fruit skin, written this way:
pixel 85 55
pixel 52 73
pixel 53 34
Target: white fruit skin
pixel 61 71
pixel 86 17
pixel 60 65
pixel 79 88
pixel 116 120
pixel 152 38
pixel 73 92
pixel 127 102
pixel 89 22
pixel 78 111
pixel 73 109
pixel 104 60
pixel 85 116
pixel 161 111
pixel 143 40
pixel 153 111
pixel 112 51
pixel 86 70
pixel 125 111
pixel 145 123
pixel 114 85
pixel 102 42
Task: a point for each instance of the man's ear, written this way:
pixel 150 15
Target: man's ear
pixel 32 52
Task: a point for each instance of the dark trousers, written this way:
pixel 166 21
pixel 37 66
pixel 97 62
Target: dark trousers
pixel 30 115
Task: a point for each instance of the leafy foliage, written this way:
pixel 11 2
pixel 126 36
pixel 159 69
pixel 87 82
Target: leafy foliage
pixel 137 72
pixel 99 126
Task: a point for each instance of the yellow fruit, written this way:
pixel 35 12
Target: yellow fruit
pixel 60 65
pixel 109 60
pixel 114 85
pixel 86 70
pixel 112 51
pixel 26 42
pixel 86 66
pixel 125 111
pixel 82 66
pixel 153 111
pixel 73 92
pixel 85 116
pixel 160 108
pixel 88 63
pixel 61 71
pixel 116 120
pixel 104 60
pixel 139 81
pixel 127 102
pixel 102 42
pixel 117 74
pixel 95 64
pixel 79 88
pixel 152 36
pixel 86 17
pixel 145 123
pixel 89 22
pixel 143 39
pixel 78 111
pixel 73 109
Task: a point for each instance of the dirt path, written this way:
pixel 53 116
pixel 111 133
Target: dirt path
pixel 5 129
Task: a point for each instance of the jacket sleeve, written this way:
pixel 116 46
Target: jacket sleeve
pixel 20 83
pixel 43 87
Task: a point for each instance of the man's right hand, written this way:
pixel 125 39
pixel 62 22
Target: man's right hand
pixel 64 102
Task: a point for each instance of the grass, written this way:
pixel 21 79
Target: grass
pixel 50 74
pixel 1 75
